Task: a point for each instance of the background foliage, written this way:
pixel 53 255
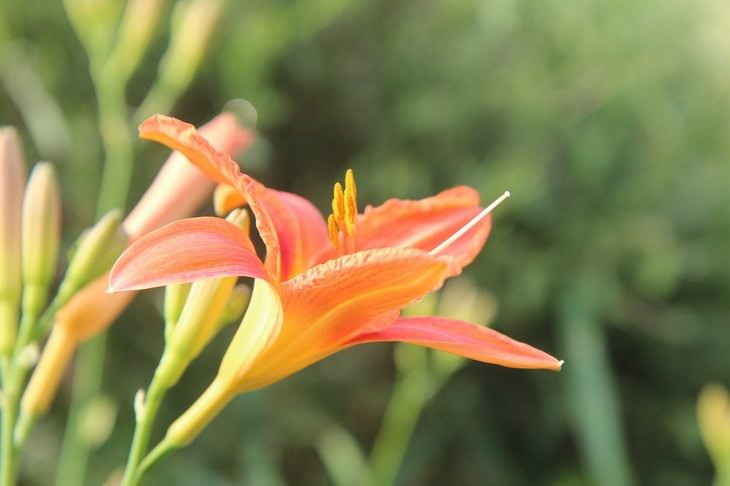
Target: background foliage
pixel 607 120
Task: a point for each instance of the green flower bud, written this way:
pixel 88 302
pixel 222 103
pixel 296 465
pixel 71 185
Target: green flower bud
pixel 237 303
pixel 40 235
pixel 135 32
pixel 198 321
pixel 193 23
pixel 12 182
pixel 175 295
pixel 94 22
pixel 96 250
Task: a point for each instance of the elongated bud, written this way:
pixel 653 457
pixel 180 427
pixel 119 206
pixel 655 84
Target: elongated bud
pixel 41 227
pixel 96 250
pixel 175 296
pixel 138 23
pixel 199 319
pixel 180 187
pixel 47 375
pixel 237 303
pixel 12 182
pixel 259 327
pixel 94 22
pixel 193 23
pixel 713 414
pixel 87 313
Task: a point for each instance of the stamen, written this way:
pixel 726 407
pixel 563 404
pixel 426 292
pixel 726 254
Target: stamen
pixel 350 211
pixel 451 239
pixel 338 205
pixel 333 231
pixel 350 184
pixel 344 213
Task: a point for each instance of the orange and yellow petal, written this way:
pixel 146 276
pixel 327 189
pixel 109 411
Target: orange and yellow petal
pixel 288 225
pixel 186 250
pixel 180 187
pixel 227 198
pixel 462 338
pixel 328 304
pixel 302 234
pixel 425 223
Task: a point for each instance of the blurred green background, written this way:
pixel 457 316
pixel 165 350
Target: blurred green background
pixel 607 120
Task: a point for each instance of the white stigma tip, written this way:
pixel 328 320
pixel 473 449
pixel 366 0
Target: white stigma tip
pixel 461 231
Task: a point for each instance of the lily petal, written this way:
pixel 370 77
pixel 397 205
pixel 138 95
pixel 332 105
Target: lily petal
pixel 302 234
pixel 425 223
pixel 463 338
pixel 186 250
pixel 328 304
pixel 289 225
pixel 179 188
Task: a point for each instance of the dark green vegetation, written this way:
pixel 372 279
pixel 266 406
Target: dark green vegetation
pixel 608 121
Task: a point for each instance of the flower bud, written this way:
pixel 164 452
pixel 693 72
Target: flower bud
pixel 40 235
pixel 88 312
pixel 713 414
pixel 96 250
pixel 180 187
pixel 237 303
pixel 198 320
pixel 94 22
pixel 47 375
pixel 247 344
pixel 175 296
pixel 193 23
pixel 135 31
pixel 12 182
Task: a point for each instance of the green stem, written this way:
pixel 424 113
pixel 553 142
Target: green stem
pixel 410 394
pixel 8 456
pixel 74 455
pixel 43 327
pixel 591 388
pixel 117 142
pixel 143 430
pixel 15 372
pixel 161 450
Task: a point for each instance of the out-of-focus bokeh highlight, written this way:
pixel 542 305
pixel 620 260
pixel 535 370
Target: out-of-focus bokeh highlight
pixel 607 120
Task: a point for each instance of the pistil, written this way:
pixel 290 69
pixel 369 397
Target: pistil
pixel 476 219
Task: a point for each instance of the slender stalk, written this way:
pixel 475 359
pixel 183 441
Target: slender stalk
pixel 142 431
pixel 591 388
pixel 161 450
pixel 117 144
pixel 410 394
pixel 15 373
pixel 8 471
pixel 74 455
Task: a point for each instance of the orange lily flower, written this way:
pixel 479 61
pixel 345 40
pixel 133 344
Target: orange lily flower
pixel 322 287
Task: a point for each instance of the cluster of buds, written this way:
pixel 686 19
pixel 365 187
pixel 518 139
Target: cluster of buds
pixel 30 232
pixel 29 248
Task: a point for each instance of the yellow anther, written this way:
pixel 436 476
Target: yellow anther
pixel 350 185
pixel 338 205
pixel 333 231
pixel 350 211
pixel 344 212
